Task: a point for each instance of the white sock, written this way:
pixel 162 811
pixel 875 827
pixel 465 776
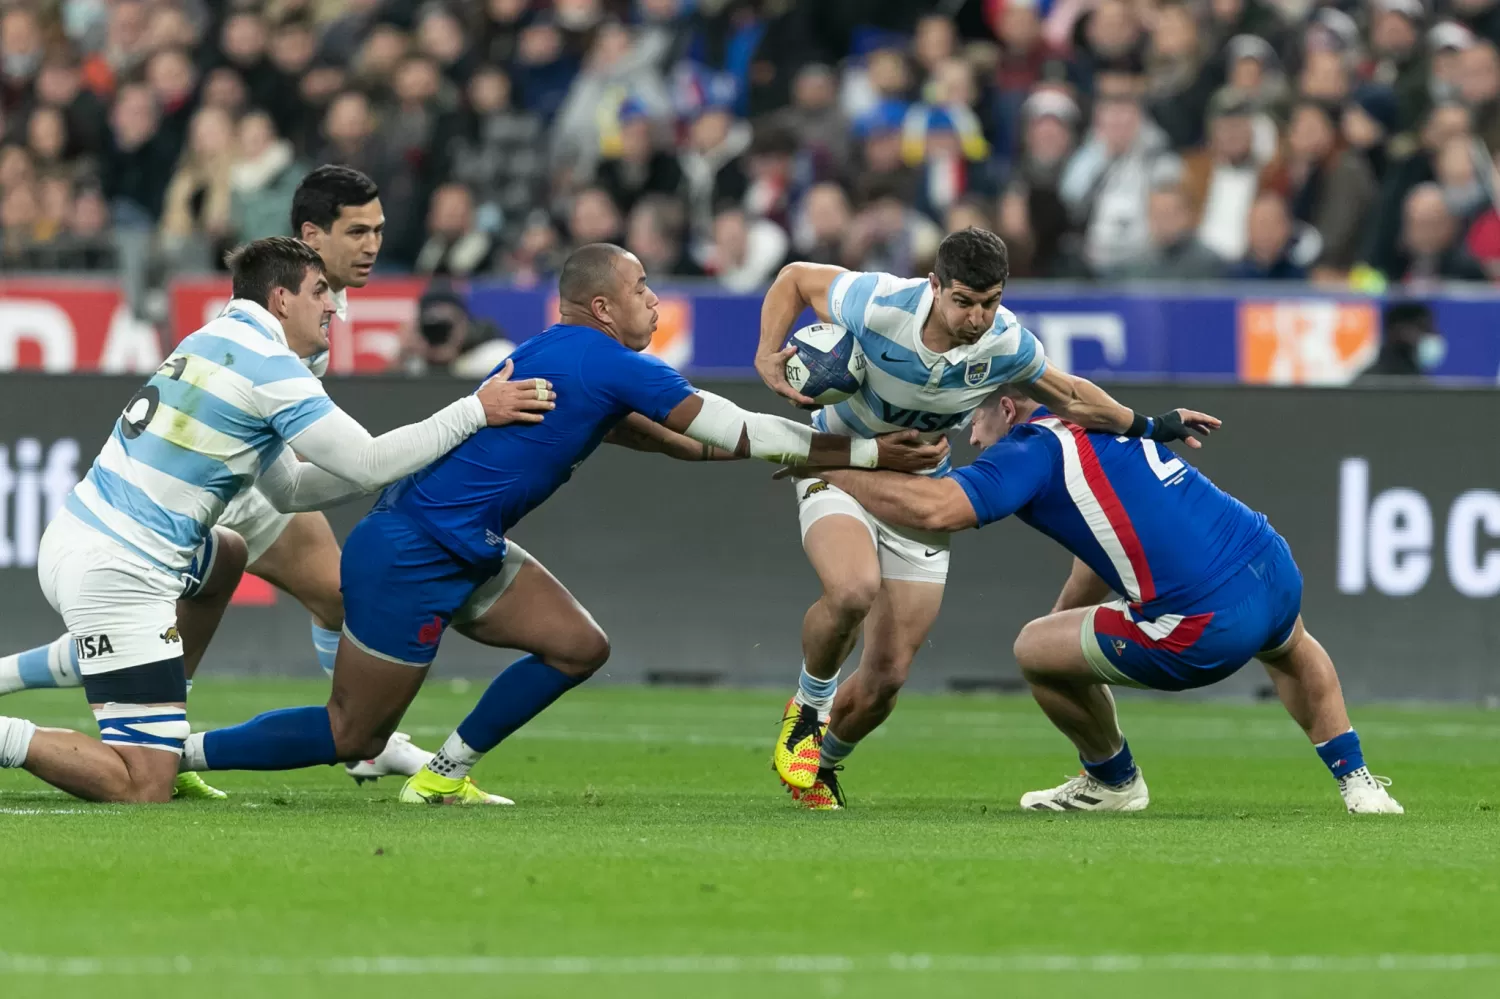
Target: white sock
pixel 15 741
pixel 51 665
pixel 455 759
pixel 192 754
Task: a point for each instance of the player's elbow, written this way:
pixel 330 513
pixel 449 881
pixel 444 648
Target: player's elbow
pixel 950 514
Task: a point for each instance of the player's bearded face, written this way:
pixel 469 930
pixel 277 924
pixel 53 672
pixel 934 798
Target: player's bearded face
pixel 968 313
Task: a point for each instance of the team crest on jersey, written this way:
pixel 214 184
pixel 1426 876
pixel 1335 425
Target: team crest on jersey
pixel 170 636
pixel 975 372
pixel 816 487
pixel 1119 645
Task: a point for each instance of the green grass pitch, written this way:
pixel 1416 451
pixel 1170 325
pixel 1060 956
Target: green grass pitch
pixel 653 854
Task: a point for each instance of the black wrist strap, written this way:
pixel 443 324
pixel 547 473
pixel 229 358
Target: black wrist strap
pixel 1138 426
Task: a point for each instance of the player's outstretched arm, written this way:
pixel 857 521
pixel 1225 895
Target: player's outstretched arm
pixel 714 420
pixel 798 286
pixel 1080 401
pixel 1084 588
pixel 295 486
pixel 639 433
pixel 334 441
pixel 908 500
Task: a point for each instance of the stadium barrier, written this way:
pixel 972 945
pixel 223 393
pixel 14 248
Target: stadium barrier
pixel 1254 334
pixel 1390 499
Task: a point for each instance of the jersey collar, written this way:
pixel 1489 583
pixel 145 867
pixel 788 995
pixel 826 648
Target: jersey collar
pixel 341 303
pixel 258 317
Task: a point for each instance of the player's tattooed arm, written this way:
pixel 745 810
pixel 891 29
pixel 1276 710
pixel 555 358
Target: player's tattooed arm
pixel 639 433
pixel 1084 588
pixel 907 500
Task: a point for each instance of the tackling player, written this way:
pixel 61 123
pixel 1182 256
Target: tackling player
pixel 135 564
pixel 934 348
pixel 1205 584
pixel 337 211
pixel 433 552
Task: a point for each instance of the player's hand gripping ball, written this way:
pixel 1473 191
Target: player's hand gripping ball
pixel 829 366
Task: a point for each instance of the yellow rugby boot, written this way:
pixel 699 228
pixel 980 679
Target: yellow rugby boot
pixel 798 745
pixel 825 795
pixel 190 785
pixel 428 788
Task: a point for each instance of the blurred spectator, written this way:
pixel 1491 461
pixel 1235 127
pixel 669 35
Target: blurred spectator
pixel 883 76
pixel 823 225
pixel 1410 345
pixel 1368 123
pixel 774 184
pixel 174 82
pixel 945 145
pixel 195 224
pixel 454 247
pixel 744 253
pixel 1105 184
pixel 713 164
pixel 613 69
pixel 381 53
pixel 1024 57
pixel 1324 76
pixel 1033 219
pixel 138 160
pixel 544 70
pixel 496 150
pixel 880 160
pixel 1327 186
pixel 1431 250
pixel 814 119
pixel 224 88
pixel 262 180
pixel 16 167
pixel 1112 37
pixel 500 27
pixel 1177 252
pixel 1463 190
pixel 1479 88
pixel 1482 17
pixel 1446 42
pixel 934 40
pixel 243 41
pixel 1255 74
pixel 1272 252
pixel 640 168
pixel 1412 161
pixel 1178 87
pixel 122 51
pixel 47 140
pixel 19 214
pixel 60 85
pixel 1248 18
pixel 352 139
pixel 440 37
pixel 888 235
pixel 448 337
pixel 654 234
pixel 21 50
pixel 537 254
pixel 1401 60
pixel 968 213
pixel 594 218
pixel 87 244
pixel 1220 181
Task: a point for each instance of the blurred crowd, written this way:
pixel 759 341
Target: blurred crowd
pixel 1346 142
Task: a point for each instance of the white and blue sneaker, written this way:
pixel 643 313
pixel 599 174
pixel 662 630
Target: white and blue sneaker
pixel 1366 794
pixel 1085 793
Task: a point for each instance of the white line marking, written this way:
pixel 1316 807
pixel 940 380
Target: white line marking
pixel 988 964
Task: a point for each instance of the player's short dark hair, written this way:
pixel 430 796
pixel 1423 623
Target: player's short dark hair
pixel 977 257
pixel 259 267
pixel 588 271
pixel 325 192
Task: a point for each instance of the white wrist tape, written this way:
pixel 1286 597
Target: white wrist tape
pixel 722 424
pixel 864 453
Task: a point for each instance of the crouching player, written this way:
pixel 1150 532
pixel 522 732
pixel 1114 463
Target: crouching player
pixel 1204 584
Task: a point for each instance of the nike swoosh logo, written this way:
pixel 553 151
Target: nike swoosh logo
pixel 887 357
pixel 930 554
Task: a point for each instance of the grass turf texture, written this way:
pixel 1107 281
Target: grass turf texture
pixel 651 829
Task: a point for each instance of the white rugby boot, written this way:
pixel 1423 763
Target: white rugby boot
pixel 1083 793
pixel 400 758
pixel 1366 794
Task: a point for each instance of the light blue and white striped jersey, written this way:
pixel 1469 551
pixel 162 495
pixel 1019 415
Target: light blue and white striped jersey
pixel 212 418
pixel 907 385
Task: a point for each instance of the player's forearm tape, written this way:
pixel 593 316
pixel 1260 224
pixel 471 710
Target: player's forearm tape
pixel 773 438
pixel 339 444
pixel 1165 428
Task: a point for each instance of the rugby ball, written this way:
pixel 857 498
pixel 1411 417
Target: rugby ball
pixel 828 367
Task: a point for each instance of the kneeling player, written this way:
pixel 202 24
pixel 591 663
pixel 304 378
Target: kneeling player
pixel 1207 585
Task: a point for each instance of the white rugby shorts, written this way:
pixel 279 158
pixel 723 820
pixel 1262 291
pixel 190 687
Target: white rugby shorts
pixel 120 609
pixel 905 553
pixel 252 517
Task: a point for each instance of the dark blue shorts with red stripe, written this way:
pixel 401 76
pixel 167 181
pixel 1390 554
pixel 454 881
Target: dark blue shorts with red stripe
pixel 1183 651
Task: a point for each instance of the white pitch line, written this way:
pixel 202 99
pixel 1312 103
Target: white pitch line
pixel 986 964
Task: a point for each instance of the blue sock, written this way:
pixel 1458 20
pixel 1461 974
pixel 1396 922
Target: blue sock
pixel 815 692
pixel 1342 754
pixel 833 751
pixel 326 645
pixel 277 740
pixel 1116 770
pixel 514 697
